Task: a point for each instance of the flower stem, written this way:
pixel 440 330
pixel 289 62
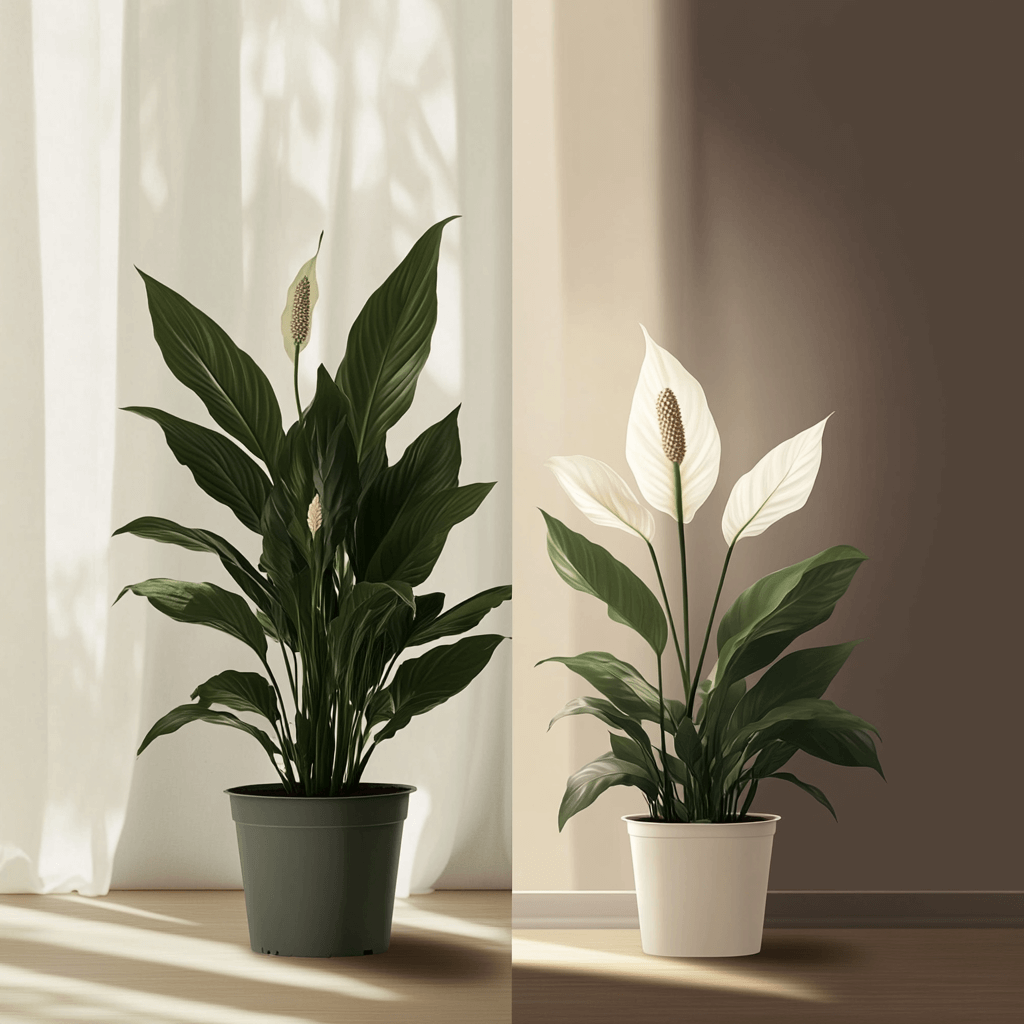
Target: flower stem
pixel 671 621
pixel 707 633
pixel 295 381
pixel 682 560
pixel 664 759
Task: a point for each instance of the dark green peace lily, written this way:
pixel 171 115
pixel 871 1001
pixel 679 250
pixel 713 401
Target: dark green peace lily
pixel 345 536
pixel 736 735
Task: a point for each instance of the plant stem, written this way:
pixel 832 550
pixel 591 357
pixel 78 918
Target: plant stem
pixel 664 758
pixel 295 382
pixel 671 621
pixel 682 559
pixel 707 632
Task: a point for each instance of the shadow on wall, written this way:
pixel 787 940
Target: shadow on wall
pixel 854 231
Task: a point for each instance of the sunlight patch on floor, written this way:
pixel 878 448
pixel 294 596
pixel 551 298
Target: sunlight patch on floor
pixel 223 958
pixel 660 970
pixel 27 997
pixel 103 903
pixel 426 920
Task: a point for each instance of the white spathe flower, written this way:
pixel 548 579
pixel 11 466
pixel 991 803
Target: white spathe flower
pixel 297 318
pixel 644 450
pixel 601 494
pixel 779 484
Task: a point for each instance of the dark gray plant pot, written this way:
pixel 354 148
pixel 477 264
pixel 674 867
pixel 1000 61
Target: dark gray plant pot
pixel 319 873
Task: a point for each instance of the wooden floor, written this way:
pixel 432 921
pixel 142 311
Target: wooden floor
pixel 183 958
pixel 825 976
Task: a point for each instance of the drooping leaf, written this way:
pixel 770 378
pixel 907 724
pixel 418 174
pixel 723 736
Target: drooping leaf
pixel 459 618
pixel 807 788
pixel 185 713
pixel 412 546
pixel 606 712
pixel 852 748
pixel 637 752
pixel 779 484
pixel 601 494
pixel 772 758
pixel 227 380
pixel 823 713
pixel 205 604
pixel 654 473
pixel 389 343
pixel 586 785
pixel 623 685
pixel 240 691
pixel 589 568
pixel 425 682
pixel 218 465
pixel 768 616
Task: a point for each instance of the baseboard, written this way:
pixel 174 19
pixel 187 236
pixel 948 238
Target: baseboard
pixel 789 909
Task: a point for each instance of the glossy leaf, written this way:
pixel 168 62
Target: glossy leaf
pixel 605 712
pixel 219 466
pixel 601 494
pixel 807 788
pixel 230 384
pixel 822 712
pixel 423 683
pixel 654 472
pixel 185 713
pixel 205 604
pixel 589 568
pixel 389 344
pixel 240 691
pixel 768 616
pixel 852 748
pixel 779 484
pixel 586 785
pixel 461 617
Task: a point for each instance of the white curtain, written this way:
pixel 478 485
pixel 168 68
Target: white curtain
pixel 208 145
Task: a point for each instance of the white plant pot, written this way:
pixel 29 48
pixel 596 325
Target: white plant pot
pixel 701 888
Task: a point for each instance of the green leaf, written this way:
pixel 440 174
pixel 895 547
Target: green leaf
pixel 362 614
pixel 852 748
pixel 423 683
pixel 805 673
pixel 429 465
pixel 415 541
pixel 688 745
pixel 218 465
pixel 719 706
pixel 227 380
pixel 205 604
pixel 606 712
pixel 768 616
pixel 461 617
pixel 389 343
pixel 638 752
pixel 622 685
pixel 240 691
pixel 823 713
pixel 772 758
pixel 589 568
pixel 185 713
pixel 807 788
pixel 241 569
pixel 586 785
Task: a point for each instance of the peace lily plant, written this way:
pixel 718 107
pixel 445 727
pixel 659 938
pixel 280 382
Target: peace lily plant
pixel 726 736
pixel 344 536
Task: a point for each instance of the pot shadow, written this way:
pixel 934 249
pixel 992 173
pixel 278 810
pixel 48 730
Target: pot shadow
pixel 794 949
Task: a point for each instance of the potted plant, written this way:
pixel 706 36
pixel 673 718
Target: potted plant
pixel 700 860
pixel 345 537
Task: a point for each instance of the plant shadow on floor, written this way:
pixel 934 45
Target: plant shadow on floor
pixel 779 947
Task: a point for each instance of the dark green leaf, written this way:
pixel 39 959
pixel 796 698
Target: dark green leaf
pixel 586 785
pixel 415 541
pixel 240 691
pixel 389 343
pixel 422 683
pixel 185 713
pixel 205 604
pixel 852 748
pixel 807 788
pixel 606 712
pixel 772 758
pixel 589 568
pixel 218 465
pixel 232 387
pixel 638 752
pixel 688 745
pixel 459 618
pixel 768 616
pixel 823 713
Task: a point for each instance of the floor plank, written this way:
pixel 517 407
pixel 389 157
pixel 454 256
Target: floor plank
pixel 842 976
pixel 165 957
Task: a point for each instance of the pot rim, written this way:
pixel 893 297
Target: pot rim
pixel 386 789
pixel 761 825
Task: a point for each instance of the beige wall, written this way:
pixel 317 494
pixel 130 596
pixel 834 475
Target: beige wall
pixel 816 207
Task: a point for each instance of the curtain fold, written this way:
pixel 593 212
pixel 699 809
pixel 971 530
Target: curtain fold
pixel 209 145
